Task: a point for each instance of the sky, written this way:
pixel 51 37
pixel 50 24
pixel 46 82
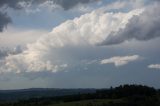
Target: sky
pixel 79 43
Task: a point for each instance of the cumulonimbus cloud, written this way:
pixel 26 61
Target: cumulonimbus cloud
pixel 120 60
pixel 51 51
pixel 154 66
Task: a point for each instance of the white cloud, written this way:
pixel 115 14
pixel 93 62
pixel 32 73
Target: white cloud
pixel 93 27
pixel 51 51
pixel 120 60
pixel 154 66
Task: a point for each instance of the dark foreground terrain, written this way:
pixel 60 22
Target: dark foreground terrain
pixel 126 95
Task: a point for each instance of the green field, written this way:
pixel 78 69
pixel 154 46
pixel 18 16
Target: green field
pixel 95 102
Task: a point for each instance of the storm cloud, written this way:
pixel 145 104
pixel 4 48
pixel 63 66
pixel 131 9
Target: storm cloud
pixel 66 43
pixel 60 48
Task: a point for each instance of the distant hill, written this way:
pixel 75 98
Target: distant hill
pixel 13 95
pixel 123 95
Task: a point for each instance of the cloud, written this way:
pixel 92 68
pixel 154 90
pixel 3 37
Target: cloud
pixel 66 4
pixel 117 5
pixel 4 18
pixel 66 43
pixel 120 60
pixel 26 4
pixel 4 21
pixel 4 52
pixel 123 4
pixel 142 27
pixel 154 66
pixel 70 42
pixel 11 37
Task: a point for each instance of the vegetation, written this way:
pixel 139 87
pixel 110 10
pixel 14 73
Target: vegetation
pixel 23 94
pixel 126 95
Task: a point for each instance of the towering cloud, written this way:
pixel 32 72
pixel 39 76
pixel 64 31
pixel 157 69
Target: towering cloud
pixel 56 49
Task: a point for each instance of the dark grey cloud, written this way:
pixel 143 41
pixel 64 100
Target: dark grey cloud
pixel 143 27
pixel 66 4
pixel 4 21
pixel 3 54
pixel 10 3
pixel 14 4
pixel 4 18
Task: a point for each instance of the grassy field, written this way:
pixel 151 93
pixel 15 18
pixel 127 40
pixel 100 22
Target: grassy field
pixel 96 102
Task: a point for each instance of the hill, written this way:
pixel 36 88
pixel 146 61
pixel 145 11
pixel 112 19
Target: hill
pixel 124 95
pixel 24 94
